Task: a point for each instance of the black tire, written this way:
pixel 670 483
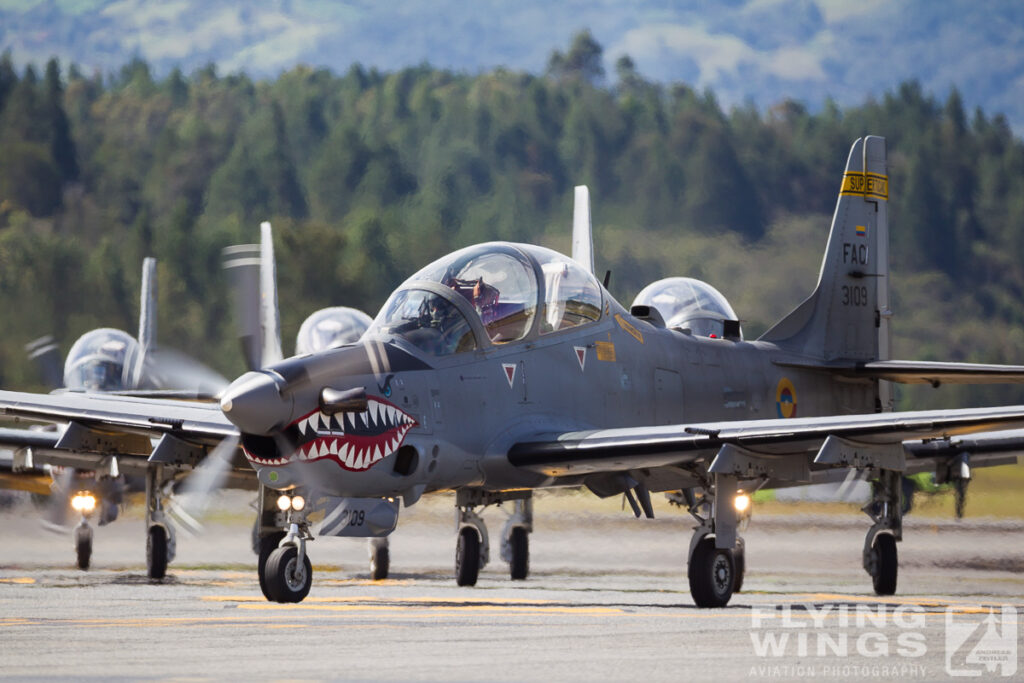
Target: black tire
pixel 267 545
pixel 380 562
pixel 739 561
pixel 467 557
pixel 156 552
pixel 519 546
pixel 886 564
pixel 286 580
pixel 960 496
pixel 711 574
pixel 83 550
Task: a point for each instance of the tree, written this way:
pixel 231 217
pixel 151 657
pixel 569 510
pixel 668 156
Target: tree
pixel 583 61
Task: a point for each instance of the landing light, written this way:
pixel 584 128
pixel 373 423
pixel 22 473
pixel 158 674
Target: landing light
pixel 286 502
pixel 83 502
pixel 742 502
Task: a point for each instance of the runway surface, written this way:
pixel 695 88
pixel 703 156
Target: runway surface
pixel 607 599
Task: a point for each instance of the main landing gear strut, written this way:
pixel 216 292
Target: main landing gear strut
pixel 160 541
pixel 885 510
pixel 472 549
pixel 716 556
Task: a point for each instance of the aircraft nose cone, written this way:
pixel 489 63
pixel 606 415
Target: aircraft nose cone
pixel 255 405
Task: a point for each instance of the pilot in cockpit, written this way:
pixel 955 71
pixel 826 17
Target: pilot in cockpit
pixel 453 332
pixel 482 296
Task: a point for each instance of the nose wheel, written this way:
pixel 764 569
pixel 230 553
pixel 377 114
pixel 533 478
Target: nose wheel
pixel 267 545
pixel 83 544
pixel 288 576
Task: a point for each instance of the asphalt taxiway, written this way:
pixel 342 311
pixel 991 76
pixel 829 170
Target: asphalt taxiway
pixel 607 599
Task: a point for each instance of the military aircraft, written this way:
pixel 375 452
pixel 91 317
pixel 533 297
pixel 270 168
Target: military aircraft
pixel 504 368
pixel 105 360
pixel 252 273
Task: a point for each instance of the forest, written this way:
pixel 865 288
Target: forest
pixel 367 176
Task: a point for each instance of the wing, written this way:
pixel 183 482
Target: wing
pixel 95 426
pixel 920 372
pixel 786 449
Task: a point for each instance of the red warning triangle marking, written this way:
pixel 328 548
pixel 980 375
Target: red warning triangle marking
pixel 510 373
pixel 581 355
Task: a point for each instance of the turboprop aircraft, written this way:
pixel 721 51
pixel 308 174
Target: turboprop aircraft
pixel 106 360
pixel 504 368
pixel 252 274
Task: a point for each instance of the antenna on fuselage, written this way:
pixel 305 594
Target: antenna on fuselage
pixel 582 233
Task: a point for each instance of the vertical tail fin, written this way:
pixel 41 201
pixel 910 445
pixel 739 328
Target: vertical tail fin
pixel 147 319
pixel 252 276
pixel 846 317
pixel 582 232
pixel 270 316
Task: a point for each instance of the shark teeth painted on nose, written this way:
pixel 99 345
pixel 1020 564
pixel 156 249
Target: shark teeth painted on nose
pixel 355 441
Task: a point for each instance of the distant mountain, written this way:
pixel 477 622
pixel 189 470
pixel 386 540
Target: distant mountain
pixel 745 50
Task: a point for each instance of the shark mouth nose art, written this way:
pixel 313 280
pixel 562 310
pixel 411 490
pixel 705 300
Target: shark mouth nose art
pixel 356 441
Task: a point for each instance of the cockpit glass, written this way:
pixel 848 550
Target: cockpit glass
pixel 426 320
pixel 572 295
pixel 329 328
pixel 101 360
pixel 497 281
pixel 690 304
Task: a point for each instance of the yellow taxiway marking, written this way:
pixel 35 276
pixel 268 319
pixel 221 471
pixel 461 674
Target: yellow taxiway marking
pixel 18 579
pixel 959 605
pixel 402 601
pixel 431 612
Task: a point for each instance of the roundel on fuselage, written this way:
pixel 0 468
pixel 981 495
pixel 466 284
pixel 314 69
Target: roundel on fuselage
pixel 785 398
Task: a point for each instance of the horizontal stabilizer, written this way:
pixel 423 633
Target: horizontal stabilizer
pixel 920 372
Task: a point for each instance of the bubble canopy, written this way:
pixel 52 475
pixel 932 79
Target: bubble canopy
pixel 331 327
pixel 509 291
pixel 101 360
pixel 686 303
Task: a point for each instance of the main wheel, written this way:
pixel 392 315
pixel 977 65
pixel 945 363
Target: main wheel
pixel 519 545
pixel 267 545
pixel 83 549
pixel 467 557
pixel 886 564
pixel 960 496
pixel 287 580
pixel 739 561
pixel 156 552
pixel 380 560
pixel 711 573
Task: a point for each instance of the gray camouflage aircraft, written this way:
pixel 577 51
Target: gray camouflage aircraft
pixel 105 360
pixel 504 368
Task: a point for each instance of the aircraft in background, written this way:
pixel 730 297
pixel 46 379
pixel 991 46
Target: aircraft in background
pixel 111 361
pixel 504 368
